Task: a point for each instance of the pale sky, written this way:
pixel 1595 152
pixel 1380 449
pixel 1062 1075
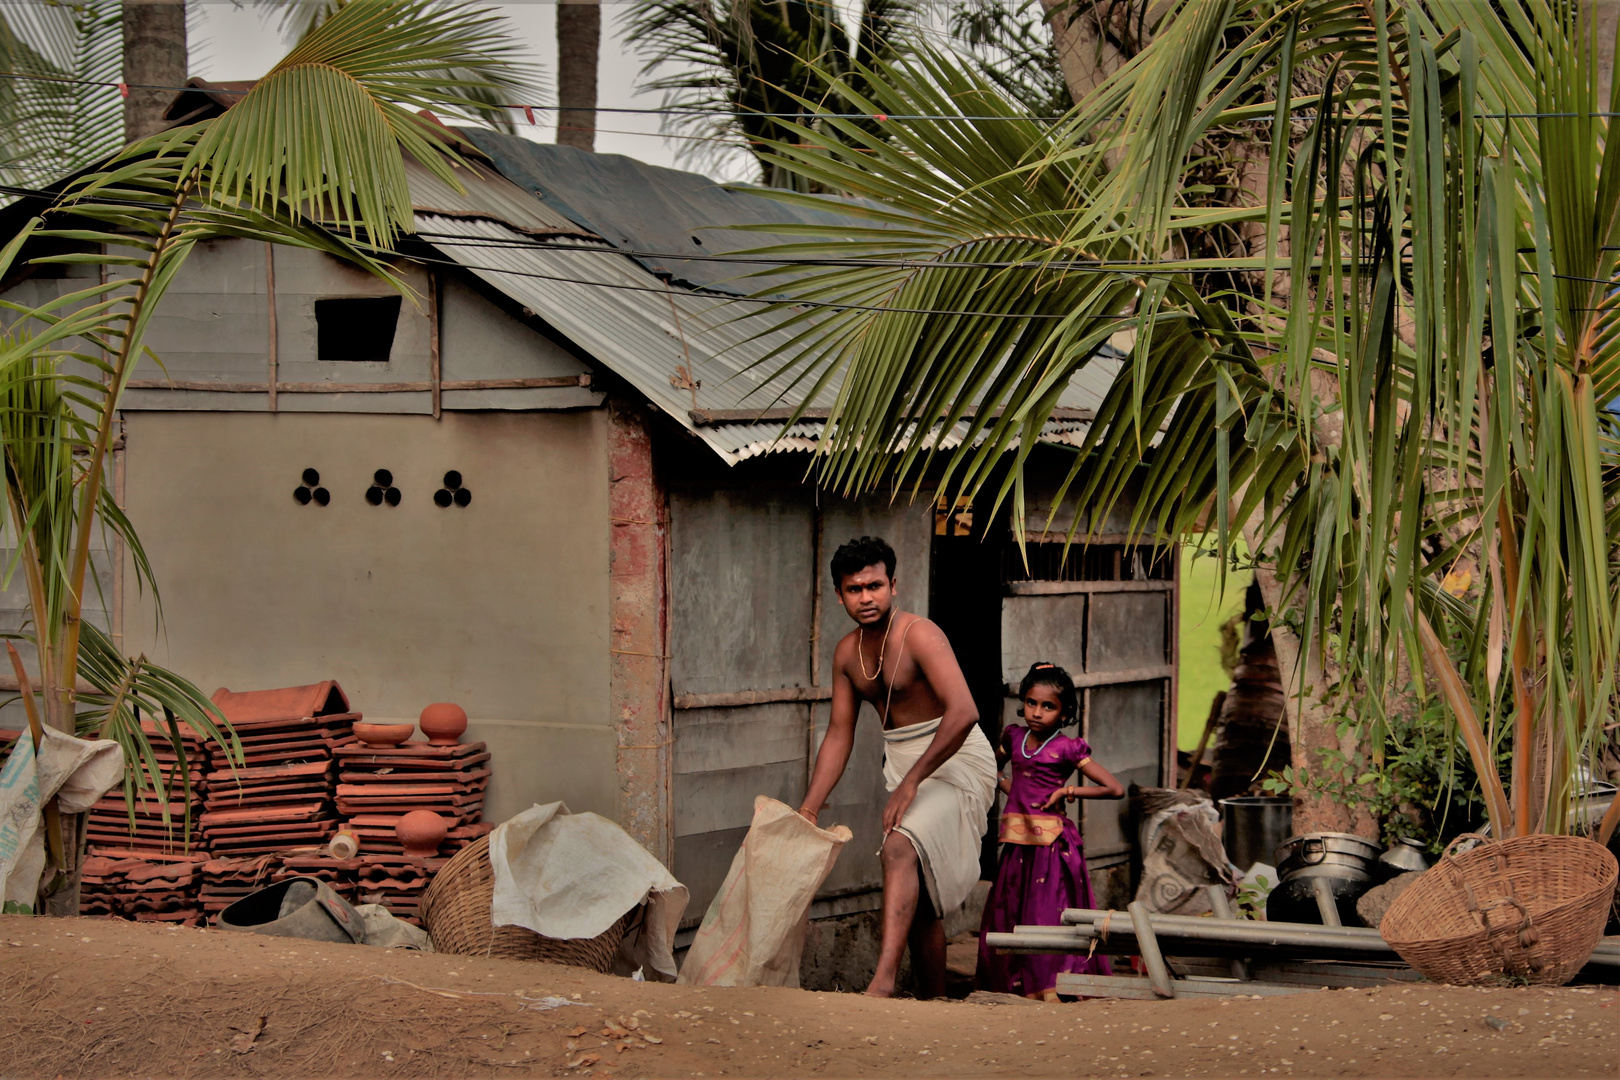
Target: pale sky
pixel 235 39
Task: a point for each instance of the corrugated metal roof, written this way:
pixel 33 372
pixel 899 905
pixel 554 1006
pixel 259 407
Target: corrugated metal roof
pixel 755 440
pixel 665 213
pixel 489 195
pixel 686 351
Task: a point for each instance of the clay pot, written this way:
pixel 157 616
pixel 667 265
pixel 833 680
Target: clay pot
pixel 421 832
pixel 443 723
pixel 383 734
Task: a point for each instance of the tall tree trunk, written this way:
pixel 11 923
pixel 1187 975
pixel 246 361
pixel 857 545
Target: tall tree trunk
pixel 1093 41
pixel 1253 739
pixel 579 39
pixel 154 55
pixel 1311 724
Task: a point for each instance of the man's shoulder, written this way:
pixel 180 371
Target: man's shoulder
pixel 925 627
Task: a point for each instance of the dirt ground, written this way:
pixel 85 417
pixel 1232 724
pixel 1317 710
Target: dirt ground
pixel 100 998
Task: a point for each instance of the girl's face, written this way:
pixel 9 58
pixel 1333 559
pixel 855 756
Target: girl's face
pixel 1043 709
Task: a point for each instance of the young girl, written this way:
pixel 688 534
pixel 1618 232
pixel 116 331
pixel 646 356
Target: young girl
pixel 1042 868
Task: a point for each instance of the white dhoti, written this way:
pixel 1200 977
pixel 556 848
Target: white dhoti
pixel 947 820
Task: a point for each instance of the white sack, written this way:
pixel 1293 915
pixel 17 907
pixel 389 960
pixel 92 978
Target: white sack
pixel 753 932
pixel 571 876
pixel 79 771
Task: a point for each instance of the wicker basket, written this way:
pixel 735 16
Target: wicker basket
pixel 1526 910
pixel 455 909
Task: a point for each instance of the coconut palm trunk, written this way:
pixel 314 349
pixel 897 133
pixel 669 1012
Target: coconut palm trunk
pixel 579 43
pixel 154 56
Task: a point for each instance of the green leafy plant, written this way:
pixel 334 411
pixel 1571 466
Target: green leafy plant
pixel 1419 783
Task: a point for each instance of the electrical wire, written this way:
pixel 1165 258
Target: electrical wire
pixel 124 88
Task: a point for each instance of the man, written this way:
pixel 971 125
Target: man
pixel 937 764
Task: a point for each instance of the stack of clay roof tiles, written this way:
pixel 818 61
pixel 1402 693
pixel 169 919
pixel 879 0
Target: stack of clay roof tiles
pixel 340 874
pixel 225 881
pixel 280 797
pixel 379 785
pixel 397 882
pixel 108 827
pixel 152 888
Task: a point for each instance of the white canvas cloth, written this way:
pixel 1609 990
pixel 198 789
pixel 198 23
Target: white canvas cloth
pixel 76 771
pixel 947 820
pixel 753 932
pixel 568 876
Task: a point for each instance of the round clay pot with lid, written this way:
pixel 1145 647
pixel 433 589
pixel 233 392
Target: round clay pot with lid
pixel 420 832
pixel 443 723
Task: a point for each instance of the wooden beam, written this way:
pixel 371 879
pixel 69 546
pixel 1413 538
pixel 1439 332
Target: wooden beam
pixel 739 698
pixel 210 386
pixel 1088 679
pixel 1074 588
pixel 779 415
pixel 435 372
pixel 1132 988
pixel 10 685
pixel 274 375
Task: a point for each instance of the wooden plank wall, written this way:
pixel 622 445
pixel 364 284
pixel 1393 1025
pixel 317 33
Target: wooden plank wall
pixel 1107 615
pixel 753 624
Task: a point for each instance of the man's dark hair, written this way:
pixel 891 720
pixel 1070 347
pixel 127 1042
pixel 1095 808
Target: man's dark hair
pixel 857 555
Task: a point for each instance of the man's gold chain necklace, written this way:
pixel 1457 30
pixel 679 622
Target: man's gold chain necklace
pixel 860 651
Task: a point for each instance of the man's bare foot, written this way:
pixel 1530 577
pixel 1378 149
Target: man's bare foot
pixel 880 986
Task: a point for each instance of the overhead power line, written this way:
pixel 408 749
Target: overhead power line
pixel 530 109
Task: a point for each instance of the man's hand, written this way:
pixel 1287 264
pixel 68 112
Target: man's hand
pixel 899 803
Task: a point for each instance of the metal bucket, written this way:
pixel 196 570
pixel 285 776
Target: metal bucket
pixel 1327 854
pixel 1253 825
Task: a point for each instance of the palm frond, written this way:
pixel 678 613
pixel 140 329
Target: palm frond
pixel 57 111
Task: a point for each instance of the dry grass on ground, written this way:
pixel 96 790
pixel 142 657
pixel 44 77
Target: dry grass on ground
pixel 99 998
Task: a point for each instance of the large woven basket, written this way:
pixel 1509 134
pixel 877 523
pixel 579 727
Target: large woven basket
pixel 1526 910
pixel 456 911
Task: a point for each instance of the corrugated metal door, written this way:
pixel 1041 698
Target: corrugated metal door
pixel 753 624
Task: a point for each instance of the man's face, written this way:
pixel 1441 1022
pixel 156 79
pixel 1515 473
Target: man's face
pixel 867 594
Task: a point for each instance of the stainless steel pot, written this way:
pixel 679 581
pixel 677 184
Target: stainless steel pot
pixel 1327 854
pixel 1253 825
pixel 1403 856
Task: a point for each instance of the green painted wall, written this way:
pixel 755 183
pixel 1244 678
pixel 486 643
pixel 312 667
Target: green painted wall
pixel 1203 609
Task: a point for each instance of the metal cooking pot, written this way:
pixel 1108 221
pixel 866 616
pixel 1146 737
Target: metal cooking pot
pixel 1327 854
pixel 1403 856
pixel 1253 825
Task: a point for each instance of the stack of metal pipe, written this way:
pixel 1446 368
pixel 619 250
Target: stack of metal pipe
pixel 1118 933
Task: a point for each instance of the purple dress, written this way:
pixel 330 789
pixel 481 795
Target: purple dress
pixel 1042 869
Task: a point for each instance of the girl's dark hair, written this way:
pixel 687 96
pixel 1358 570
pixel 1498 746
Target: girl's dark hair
pixel 1042 673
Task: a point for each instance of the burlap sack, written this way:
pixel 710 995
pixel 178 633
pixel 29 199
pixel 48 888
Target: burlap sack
pixel 753 932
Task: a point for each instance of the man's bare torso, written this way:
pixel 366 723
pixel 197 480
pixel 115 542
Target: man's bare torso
pixel 898 688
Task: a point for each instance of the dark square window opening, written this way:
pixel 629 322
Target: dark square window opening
pixel 356 329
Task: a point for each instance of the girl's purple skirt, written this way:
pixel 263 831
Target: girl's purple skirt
pixel 1032 887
